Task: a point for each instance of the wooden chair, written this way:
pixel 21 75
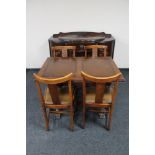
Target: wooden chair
pixel 100 99
pixel 95 52
pixel 55 99
pixel 63 51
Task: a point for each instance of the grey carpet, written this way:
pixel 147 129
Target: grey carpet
pixel 93 140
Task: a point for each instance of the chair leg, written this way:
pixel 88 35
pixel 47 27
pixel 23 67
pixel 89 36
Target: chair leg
pixel 109 119
pixel 71 120
pixel 106 120
pixel 84 117
pixel 45 118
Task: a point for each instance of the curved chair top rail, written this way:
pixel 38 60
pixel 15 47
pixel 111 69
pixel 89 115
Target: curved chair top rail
pixel 53 81
pixel 63 47
pixel 100 79
pixel 96 46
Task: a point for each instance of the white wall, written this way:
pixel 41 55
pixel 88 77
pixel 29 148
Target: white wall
pixel 46 17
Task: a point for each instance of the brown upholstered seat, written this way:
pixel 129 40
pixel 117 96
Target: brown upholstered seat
pixel 63 95
pixel 90 96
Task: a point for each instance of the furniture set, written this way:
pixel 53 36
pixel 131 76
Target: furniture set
pixel 94 72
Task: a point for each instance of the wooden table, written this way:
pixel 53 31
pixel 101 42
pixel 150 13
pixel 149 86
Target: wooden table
pixel 99 67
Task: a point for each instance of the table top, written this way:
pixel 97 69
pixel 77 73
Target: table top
pixel 99 67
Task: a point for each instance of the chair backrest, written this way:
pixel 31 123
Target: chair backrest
pixel 95 50
pixel 52 85
pixel 100 86
pixel 63 51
